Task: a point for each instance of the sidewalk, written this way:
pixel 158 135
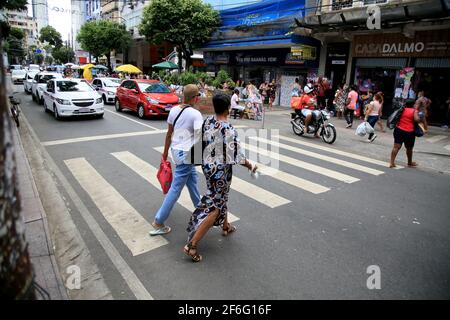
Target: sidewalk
pixel 37 232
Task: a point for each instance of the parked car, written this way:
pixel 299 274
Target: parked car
pixel 18 76
pixel 72 97
pixel 146 97
pixel 14 67
pixel 34 67
pixel 107 87
pixel 40 84
pixel 28 83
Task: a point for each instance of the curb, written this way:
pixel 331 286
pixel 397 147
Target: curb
pixel 67 245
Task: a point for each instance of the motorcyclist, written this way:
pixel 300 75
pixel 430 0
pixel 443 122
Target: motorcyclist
pixel 307 105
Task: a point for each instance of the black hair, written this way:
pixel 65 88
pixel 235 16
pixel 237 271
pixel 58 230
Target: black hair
pixel 409 103
pixel 236 91
pixel 221 102
pixel 296 80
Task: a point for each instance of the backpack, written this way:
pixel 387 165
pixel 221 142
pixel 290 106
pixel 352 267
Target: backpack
pixel 394 117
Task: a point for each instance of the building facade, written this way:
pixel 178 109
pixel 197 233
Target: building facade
pixel 403 48
pixel 110 10
pixel 93 9
pixel 40 13
pixel 256 43
pixel 78 16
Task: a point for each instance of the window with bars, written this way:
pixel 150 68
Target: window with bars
pixel 340 4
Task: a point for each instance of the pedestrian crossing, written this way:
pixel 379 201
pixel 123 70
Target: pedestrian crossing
pixel 132 228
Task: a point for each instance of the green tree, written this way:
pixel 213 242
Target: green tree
pixel 100 37
pixel 49 60
pixel 16 272
pixel 39 58
pixel 51 36
pixel 186 23
pixel 14 45
pixel 63 55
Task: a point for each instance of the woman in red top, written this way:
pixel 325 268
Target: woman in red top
pixel 404 133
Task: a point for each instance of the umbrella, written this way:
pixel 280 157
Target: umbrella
pixel 87 66
pixel 128 68
pixel 100 66
pixel 165 65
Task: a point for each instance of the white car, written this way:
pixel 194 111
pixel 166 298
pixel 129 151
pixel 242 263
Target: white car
pixel 72 97
pixel 107 88
pixel 34 67
pixel 28 84
pixel 40 84
pixel 18 76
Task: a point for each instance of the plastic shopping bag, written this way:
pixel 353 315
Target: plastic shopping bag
pixel 369 128
pixel 361 130
pixel 164 175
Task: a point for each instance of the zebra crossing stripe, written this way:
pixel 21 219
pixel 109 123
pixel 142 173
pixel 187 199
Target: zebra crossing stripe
pixel 436 138
pixel 321 157
pixel 339 152
pixel 148 173
pixel 304 165
pixel 447 147
pixel 252 191
pixel 124 219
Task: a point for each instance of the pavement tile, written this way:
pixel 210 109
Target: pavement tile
pixel 35 235
pixel 45 277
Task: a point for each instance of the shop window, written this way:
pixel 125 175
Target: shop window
pixel 340 4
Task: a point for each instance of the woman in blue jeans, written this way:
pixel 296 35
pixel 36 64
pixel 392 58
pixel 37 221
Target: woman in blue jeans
pixel 372 114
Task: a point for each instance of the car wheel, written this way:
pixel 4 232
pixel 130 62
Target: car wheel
pixel 33 96
pixel 100 116
pixel 104 99
pixel 118 106
pixel 141 112
pixel 55 113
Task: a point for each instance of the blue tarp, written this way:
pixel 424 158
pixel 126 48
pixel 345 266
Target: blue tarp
pixel 266 11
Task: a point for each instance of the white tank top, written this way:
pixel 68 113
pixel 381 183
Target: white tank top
pixel 376 108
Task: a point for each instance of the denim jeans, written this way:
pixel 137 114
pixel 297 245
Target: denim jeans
pixel 372 120
pixel 185 174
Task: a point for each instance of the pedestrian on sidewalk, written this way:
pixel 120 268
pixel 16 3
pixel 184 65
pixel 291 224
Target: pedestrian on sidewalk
pixel 350 108
pixel 221 151
pixel 380 121
pixel 183 122
pixel 340 99
pixel 272 92
pixel 372 115
pixel 447 116
pixel 423 105
pixel 404 133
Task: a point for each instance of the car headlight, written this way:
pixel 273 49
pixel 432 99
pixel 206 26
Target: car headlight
pixel 99 100
pixel 62 101
pixel 110 93
pixel 152 101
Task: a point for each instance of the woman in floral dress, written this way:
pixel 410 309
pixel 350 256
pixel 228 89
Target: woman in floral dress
pixel 221 151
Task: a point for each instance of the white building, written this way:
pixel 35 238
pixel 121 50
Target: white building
pixel 40 13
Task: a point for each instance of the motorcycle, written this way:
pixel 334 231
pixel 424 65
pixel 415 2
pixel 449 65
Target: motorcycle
pixel 320 125
pixel 15 111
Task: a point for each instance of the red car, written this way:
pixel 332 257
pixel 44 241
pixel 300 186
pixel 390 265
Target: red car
pixel 146 97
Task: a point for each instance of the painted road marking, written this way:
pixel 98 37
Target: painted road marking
pixel 101 137
pixel 321 157
pixel 132 120
pixel 125 220
pixel 303 165
pixel 148 173
pixel 447 147
pixel 339 152
pixel 252 191
pixel 436 138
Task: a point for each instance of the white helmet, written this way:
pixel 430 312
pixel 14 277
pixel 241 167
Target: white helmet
pixel 308 88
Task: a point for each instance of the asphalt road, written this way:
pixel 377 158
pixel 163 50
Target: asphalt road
pixel 294 239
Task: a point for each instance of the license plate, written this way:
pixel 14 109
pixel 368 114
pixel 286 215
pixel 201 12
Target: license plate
pixel 84 110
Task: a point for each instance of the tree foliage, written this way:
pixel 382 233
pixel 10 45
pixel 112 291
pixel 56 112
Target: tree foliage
pixel 51 36
pixel 14 44
pixel 63 55
pixel 186 23
pixel 102 36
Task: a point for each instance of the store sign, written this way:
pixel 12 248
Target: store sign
pixel 248 59
pixel 291 59
pixel 338 62
pixel 424 44
pixel 304 51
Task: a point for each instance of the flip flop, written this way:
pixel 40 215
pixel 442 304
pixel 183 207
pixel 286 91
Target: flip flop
pixel 160 231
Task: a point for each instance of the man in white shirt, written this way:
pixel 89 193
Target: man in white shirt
pixel 184 123
pixel 235 104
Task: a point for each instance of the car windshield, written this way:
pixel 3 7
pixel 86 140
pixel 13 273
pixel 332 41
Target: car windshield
pixel 153 87
pixel 112 82
pixel 71 86
pixel 45 78
pixel 31 75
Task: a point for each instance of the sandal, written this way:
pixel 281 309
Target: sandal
pixel 230 229
pixel 187 250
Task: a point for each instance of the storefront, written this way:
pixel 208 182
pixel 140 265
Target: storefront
pixel 255 43
pixel 400 67
pixel 337 63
